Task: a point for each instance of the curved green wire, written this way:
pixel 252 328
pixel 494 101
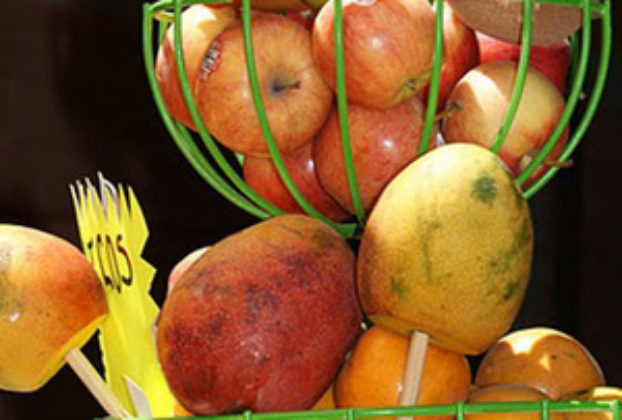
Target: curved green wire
pixel 345 229
pixel 572 102
pixel 521 76
pixel 189 150
pixel 435 82
pixel 595 97
pixel 211 146
pixel 195 157
pixel 342 107
pixel 575 53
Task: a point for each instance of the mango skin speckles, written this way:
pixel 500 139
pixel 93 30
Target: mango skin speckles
pixel 448 250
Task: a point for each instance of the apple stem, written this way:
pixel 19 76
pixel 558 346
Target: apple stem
pixel 449 111
pixel 418 83
pixel 281 87
pixel 560 164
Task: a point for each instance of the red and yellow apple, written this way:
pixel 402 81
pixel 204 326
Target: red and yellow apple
pixel 388 47
pixel 281 5
pixel 551 60
pixel 262 176
pixel 460 54
pixel 200 25
pixel 384 141
pixel 295 97
pixel 482 98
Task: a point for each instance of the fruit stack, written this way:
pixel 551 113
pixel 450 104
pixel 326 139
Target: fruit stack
pixel 287 315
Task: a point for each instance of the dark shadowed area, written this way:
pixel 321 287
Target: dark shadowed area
pixel 74 100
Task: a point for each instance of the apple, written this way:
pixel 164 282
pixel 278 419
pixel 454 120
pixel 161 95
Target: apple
pixel 384 141
pixel 262 176
pixel 552 60
pixel 281 5
pixel 388 47
pixel 183 265
pixel 302 17
pixel 305 18
pixel 200 25
pixel 460 54
pixel 295 97
pixel 483 96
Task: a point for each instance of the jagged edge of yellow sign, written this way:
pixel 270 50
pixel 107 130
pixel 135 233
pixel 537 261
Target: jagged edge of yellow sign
pixel 126 337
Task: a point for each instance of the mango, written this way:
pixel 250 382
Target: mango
pixel 51 301
pixel 262 321
pixel 448 249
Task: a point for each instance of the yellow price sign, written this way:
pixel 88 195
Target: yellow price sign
pixel 113 232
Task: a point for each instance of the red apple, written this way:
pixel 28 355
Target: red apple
pixel 295 98
pixel 262 176
pixel 551 60
pixel 384 141
pixel 483 96
pixel 388 47
pixel 460 54
pixel 183 265
pixel 302 17
pixel 200 25
pixel 280 5
pixel 305 18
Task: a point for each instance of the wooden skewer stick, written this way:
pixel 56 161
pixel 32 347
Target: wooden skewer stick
pixel 414 370
pixel 98 388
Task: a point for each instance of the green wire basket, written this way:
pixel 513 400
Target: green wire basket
pixel 232 185
pixel 545 408
pixel 229 183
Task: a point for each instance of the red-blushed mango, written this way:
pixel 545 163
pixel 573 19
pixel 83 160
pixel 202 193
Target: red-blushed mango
pixel 373 375
pixel 542 358
pixel 262 321
pixel 447 250
pixel 51 301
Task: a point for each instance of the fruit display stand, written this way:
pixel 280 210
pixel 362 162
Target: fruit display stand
pixel 546 409
pixel 245 198
pixel 218 171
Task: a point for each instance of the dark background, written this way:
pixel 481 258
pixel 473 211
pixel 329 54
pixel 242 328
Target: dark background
pixel 74 100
